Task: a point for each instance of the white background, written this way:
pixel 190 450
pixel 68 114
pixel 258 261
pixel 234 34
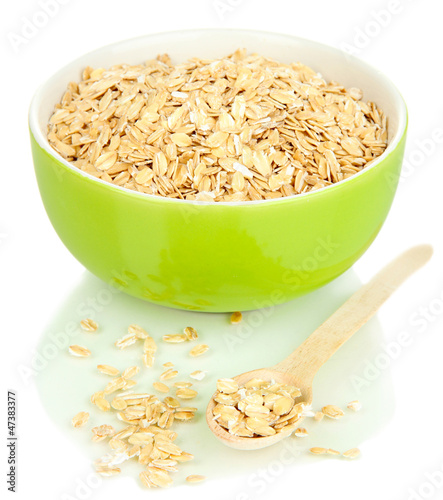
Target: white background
pixel 37 272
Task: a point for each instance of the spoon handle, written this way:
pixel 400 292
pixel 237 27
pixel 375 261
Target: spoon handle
pixel 305 361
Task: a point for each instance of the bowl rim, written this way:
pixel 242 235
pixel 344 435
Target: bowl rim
pixel 42 141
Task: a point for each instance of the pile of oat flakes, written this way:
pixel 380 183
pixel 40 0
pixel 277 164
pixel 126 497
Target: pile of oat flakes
pixel 147 436
pixel 239 128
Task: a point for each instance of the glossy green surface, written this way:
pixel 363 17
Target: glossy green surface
pixel 216 257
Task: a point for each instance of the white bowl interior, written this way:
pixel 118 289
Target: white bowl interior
pixel 331 63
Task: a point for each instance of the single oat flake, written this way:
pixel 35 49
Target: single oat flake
pixel 198 375
pixel 168 374
pixel 108 370
pixel 318 416
pixel 195 478
pixel 175 338
pixel 88 325
pixel 236 317
pixel 160 386
pixel 331 451
pixel 191 333
pixel 130 372
pixel 99 399
pixel 186 393
pixel 198 350
pixel 301 432
pixel 126 340
pixel 318 451
pixel 332 411
pixel 352 453
pixel 80 351
pixel 182 384
pixel 354 405
pixel 138 331
pixel 80 419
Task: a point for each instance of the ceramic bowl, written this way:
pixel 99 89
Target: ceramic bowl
pixel 218 256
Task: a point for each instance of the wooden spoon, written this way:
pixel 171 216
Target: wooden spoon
pixel 300 367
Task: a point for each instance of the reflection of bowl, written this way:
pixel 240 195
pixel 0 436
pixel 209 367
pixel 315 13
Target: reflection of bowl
pixel 219 256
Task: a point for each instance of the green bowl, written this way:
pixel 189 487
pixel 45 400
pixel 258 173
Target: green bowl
pixel 218 256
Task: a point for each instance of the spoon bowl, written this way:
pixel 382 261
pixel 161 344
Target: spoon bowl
pixel 268 374
pixel 300 367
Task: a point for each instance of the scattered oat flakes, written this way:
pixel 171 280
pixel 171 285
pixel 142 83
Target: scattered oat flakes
pixel 198 350
pixel 80 351
pixel 89 325
pixel 259 408
pixel 236 317
pixel 80 419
